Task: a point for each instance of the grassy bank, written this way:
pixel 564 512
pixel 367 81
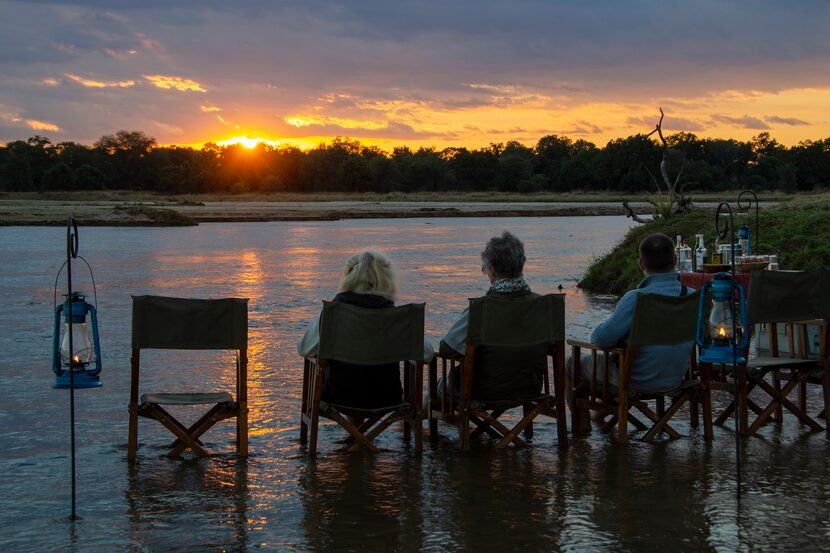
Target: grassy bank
pixel 798 231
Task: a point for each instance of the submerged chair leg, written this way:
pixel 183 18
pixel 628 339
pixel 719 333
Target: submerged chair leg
pixel 132 436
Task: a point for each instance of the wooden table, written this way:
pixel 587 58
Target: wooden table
pixel 697 280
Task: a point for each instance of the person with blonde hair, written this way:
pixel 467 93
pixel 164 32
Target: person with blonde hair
pixel 368 281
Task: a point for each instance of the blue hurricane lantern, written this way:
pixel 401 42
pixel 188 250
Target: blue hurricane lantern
pixel 721 338
pixel 85 359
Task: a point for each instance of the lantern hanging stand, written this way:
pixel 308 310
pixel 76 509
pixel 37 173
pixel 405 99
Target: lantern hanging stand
pixel 747 205
pixel 718 335
pixel 75 368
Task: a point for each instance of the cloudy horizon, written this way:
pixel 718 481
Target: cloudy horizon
pixel 455 74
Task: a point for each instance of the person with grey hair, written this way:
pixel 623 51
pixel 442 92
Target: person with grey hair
pixel 501 372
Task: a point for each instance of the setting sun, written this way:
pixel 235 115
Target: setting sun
pixel 248 142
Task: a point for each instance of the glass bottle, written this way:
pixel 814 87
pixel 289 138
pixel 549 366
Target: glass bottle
pixel 677 249
pixel 686 255
pixel 700 253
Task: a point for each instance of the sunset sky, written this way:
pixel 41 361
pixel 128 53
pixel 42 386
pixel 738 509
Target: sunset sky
pixel 392 73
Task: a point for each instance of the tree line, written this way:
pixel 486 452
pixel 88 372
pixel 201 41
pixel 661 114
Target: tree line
pixel 132 160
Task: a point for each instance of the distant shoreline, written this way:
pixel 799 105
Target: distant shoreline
pixel 135 209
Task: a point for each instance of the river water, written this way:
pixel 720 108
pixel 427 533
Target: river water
pixel 673 495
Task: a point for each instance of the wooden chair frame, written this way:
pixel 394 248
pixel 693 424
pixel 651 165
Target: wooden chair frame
pixel 375 421
pixel 224 405
pixel 464 410
pixel 618 406
pixel 503 322
pixel 796 368
pixel 795 300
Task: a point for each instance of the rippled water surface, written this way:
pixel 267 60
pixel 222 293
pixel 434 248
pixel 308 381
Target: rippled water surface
pixel 598 496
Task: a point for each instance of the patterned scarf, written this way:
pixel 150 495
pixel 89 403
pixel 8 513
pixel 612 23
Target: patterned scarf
pixel 507 285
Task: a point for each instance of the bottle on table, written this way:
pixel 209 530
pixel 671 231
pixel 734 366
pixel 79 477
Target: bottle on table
pixel 700 253
pixel 677 246
pixel 686 255
pixel 744 240
pixel 717 258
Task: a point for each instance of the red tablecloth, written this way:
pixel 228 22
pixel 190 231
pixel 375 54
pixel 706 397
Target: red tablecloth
pixel 697 280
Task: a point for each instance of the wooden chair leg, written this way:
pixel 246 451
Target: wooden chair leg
pixel 528 432
pixel 464 427
pixel 304 406
pixel 417 423
pixel 622 421
pixel 694 412
pixel 432 385
pixel 794 409
pixel 483 426
pixel 360 440
pixel 662 424
pixel 186 442
pixel 826 386
pixel 776 381
pixel 743 415
pixel 218 412
pixel 559 397
pixel 132 440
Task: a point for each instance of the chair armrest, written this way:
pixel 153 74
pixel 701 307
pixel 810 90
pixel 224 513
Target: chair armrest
pixel 588 345
pixel 582 344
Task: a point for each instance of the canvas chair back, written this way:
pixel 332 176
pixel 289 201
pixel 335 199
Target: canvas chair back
pixel 496 320
pixel 367 336
pixel 786 296
pixel 663 320
pixel 190 324
pixel 181 323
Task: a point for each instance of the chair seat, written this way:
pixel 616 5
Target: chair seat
pixel 361 412
pixel 759 366
pixel 505 404
pixel 670 392
pixel 187 398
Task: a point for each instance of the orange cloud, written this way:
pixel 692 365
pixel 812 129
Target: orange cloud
pixel 207 109
pixel 309 120
pixel 99 84
pixel 175 83
pixel 41 125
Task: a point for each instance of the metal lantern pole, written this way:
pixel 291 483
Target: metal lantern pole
pixel 747 206
pixel 722 231
pixel 71 253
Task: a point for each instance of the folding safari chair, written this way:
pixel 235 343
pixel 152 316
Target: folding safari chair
pixel 365 336
pixel 190 324
pixel 658 320
pixel 796 300
pixel 502 322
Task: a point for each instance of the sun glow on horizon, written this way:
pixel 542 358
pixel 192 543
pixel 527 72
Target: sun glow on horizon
pixel 249 142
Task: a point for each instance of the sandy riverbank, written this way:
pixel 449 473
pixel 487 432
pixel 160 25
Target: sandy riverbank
pixel 160 213
pixel 135 209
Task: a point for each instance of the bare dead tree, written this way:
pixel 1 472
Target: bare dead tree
pixel 672 191
pixel 670 198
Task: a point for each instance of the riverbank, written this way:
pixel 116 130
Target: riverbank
pixel 797 231
pixel 121 208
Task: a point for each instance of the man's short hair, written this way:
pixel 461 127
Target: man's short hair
pixel 657 253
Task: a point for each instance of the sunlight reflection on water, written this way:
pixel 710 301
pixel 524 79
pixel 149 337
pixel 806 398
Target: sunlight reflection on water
pixel 596 496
